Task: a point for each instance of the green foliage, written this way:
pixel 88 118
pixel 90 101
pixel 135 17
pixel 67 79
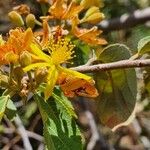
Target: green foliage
pixel 11 110
pixel 7 107
pixel 31 109
pixel 144 45
pixel 81 53
pixel 60 128
pixel 3 104
pixel 117 88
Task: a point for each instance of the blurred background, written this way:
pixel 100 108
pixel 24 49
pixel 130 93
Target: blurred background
pixel 135 136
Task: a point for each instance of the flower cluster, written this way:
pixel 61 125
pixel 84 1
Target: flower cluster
pixel 41 56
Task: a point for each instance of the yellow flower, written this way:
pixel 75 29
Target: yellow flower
pixel 60 51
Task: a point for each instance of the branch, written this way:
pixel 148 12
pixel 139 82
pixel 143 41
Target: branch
pixel 114 65
pixel 96 135
pixel 96 139
pixel 23 133
pixel 35 136
pixel 126 20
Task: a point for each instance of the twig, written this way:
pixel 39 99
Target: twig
pixel 35 122
pixel 96 135
pixel 114 65
pixel 11 142
pixel 35 136
pixel 92 59
pixel 97 139
pixel 126 20
pixel 41 146
pixel 29 133
pixel 23 133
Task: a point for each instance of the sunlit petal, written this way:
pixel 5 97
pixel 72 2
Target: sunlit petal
pixel 51 81
pixel 74 73
pixel 36 65
pixel 37 51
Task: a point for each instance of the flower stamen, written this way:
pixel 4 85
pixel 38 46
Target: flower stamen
pixel 61 51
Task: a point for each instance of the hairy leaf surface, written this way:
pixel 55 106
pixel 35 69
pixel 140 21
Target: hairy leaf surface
pixel 144 45
pixel 117 88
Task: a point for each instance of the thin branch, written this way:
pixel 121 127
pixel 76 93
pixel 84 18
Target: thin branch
pixel 126 20
pixel 114 65
pixel 23 133
pixel 35 136
pixel 96 135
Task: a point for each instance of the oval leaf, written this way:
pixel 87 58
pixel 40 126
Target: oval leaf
pixel 144 45
pixel 117 88
pixel 11 110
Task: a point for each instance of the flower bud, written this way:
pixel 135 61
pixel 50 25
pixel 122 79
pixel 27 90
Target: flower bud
pixel 91 11
pixel 30 21
pixel 3 81
pixel 93 15
pixel 18 74
pixel 11 57
pixel 41 75
pixel 25 59
pixel 16 18
pixel 88 3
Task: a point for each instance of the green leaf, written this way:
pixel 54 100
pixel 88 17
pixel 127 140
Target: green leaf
pixel 3 105
pixel 60 129
pixel 82 51
pixel 117 88
pixel 11 110
pixel 63 101
pixel 144 45
pixel 31 109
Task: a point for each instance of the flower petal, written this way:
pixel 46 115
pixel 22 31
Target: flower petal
pixel 51 81
pixel 74 73
pixel 89 36
pixel 37 51
pixel 72 10
pixel 32 66
pixel 73 86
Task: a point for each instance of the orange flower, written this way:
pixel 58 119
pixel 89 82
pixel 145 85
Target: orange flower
pixel 74 86
pixel 18 41
pixel 2 54
pixel 60 10
pixel 4 50
pixel 89 36
pixel 72 10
